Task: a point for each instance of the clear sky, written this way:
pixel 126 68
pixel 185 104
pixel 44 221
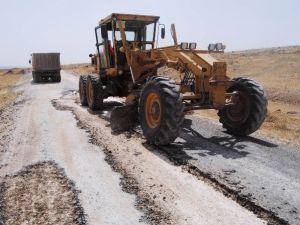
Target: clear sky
pixel 67 26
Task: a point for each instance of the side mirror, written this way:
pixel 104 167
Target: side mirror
pixel 104 33
pixel 163 33
pixel 29 61
pixel 91 55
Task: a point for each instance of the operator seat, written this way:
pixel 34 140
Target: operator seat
pixel 121 57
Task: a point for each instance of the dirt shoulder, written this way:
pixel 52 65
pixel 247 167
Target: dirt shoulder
pixel 79 69
pixel 9 78
pixel 9 102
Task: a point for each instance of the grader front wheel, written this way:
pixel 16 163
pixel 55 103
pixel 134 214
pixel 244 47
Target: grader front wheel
pixel 249 110
pixel 161 110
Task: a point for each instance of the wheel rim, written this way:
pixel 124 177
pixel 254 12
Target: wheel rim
pixel 240 111
pixel 153 110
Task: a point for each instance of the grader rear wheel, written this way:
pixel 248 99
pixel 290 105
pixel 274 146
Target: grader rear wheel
pixel 94 93
pixel 82 90
pixel 161 110
pixel 250 108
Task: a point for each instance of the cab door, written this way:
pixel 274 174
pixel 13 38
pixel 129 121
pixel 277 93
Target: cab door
pixel 104 61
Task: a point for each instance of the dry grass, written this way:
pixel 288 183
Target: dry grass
pixel 278 69
pixel 8 79
pixel 79 69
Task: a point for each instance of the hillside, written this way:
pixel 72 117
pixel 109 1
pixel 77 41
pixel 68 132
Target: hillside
pixel 277 68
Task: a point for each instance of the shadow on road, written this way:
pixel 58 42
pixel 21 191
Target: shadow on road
pixel 43 82
pixel 194 145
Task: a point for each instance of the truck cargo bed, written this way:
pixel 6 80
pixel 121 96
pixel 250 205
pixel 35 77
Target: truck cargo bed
pixel 45 61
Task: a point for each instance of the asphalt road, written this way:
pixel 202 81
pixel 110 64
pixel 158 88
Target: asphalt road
pixel 257 168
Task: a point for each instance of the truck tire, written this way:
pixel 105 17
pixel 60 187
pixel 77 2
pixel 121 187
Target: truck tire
pixel 82 90
pixel 161 110
pixel 249 112
pixel 56 77
pixel 35 77
pixel 94 91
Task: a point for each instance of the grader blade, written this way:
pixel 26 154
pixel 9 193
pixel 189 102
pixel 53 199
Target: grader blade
pixel 123 118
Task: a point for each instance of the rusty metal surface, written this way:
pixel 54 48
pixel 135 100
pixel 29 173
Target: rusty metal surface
pixel 119 16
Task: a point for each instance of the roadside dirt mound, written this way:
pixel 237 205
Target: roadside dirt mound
pixel 39 194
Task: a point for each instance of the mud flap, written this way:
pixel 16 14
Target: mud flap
pixel 122 118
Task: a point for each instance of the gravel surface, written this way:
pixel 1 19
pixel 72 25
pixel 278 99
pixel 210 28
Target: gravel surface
pixel 40 194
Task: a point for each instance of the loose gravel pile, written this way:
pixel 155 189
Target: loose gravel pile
pixel 40 194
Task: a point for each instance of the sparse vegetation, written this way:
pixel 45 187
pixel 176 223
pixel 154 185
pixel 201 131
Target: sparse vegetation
pixel 79 69
pixel 8 79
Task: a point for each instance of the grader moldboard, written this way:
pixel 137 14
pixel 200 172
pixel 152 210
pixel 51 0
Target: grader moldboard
pixel 127 63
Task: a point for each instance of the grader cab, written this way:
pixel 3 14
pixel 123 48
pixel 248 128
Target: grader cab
pixel 127 64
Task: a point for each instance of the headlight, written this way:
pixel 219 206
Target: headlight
pixel 192 45
pixel 216 47
pixel 211 47
pixel 184 45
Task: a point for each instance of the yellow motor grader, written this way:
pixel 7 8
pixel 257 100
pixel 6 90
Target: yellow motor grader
pixel 127 63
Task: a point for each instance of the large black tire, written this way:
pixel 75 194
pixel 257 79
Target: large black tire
pixel 82 90
pixel 94 93
pixel 57 77
pixel 35 77
pixel 163 97
pixel 250 111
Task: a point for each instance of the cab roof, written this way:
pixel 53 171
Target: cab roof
pixel 131 17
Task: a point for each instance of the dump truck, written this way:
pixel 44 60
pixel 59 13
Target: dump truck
pixel 45 66
pixel 127 63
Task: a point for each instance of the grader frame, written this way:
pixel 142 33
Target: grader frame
pixel 129 68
